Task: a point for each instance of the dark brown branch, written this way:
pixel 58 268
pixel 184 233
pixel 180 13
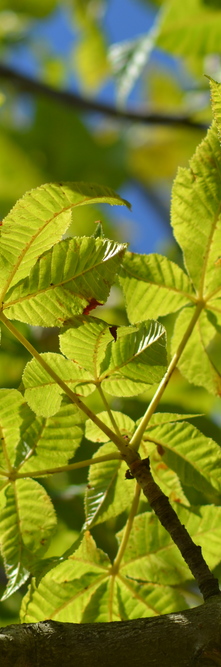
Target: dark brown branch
pixel 79 103
pixel 188 638
pixel 208 585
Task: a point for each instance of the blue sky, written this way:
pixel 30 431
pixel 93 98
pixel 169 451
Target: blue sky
pixel 124 20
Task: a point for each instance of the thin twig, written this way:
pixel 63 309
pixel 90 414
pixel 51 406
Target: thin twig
pixel 89 105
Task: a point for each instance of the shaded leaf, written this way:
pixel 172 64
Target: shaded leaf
pixel 10 422
pixel 108 492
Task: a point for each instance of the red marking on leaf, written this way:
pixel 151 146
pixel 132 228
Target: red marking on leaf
pixel 161 466
pixel 113 331
pixel 93 303
pixel 160 450
pixel 1 223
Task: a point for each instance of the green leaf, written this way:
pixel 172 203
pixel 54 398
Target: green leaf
pixel 65 591
pixel 125 425
pixel 196 215
pixel 141 599
pixel 108 492
pixel 42 393
pixel 151 555
pixel 37 8
pixel 195 458
pixel 10 421
pixel 203 370
pixel 75 275
pixel 83 589
pixel 192 28
pixel 39 220
pixel 153 286
pixel 90 58
pixel 138 358
pixel 50 442
pixel 26 524
pixel 215 88
pixel 85 343
pixel 124 359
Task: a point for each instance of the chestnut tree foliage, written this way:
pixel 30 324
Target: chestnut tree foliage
pixel 52 279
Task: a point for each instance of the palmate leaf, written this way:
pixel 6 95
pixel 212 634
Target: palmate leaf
pixel 108 493
pixel 27 523
pixel 153 286
pixel 124 359
pixel 193 28
pixel 195 458
pixel 74 275
pixel 204 370
pixel 196 215
pixel 65 591
pixel 49 442
pixel 42 393
pixel 39 220
pixel 82 589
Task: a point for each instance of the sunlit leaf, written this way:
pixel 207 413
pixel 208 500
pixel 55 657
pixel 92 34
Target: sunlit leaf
pixel 203 370
pixel 27 522
pixel 66 590
pixel 124 359
pixel 195 458
pixel 74 275
pixel 153 286
pixel 190 28
pixel 42 392
pixel 124 423
pixel 196 215
pixel 50 442
pixel 216 103
pixel 44 215
pixel 151 556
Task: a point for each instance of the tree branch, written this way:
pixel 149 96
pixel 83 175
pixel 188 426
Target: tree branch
pixel 80 103
pixel 191 637
pixel 208 585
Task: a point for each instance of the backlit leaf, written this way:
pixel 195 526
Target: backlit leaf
pixel 74 275
pixel 39 220
pixel 42 392
pixel 195 458
pixel 196 215
pixel 27 522
pixel 153 286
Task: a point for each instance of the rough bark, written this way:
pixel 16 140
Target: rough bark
pixel 190 638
